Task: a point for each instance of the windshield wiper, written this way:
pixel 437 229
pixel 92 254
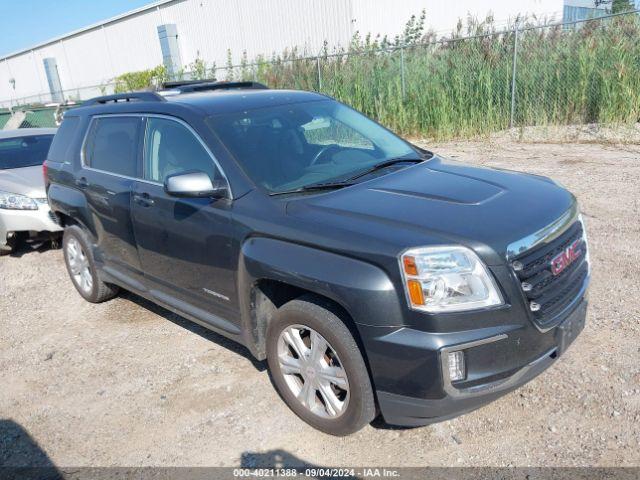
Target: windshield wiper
pixel 349 181
pixel 314 187
pixel 383 165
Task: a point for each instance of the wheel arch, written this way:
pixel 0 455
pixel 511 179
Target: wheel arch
pixel 70 206
pixel 273 272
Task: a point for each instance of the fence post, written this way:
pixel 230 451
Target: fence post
pixel 402 74
pixel 513 76
pixel 319 73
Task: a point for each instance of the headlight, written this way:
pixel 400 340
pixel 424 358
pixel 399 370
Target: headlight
pixel 13 201
pixel 447 279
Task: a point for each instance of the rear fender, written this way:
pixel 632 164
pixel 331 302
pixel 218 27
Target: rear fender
pixel 72 203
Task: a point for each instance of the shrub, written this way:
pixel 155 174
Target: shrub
pixel 142 80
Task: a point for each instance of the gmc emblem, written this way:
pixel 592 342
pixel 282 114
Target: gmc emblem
pixel 569 255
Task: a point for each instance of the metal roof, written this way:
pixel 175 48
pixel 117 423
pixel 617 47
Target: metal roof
pixel 93 26
pixel 203 103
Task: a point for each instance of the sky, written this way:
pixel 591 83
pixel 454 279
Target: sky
pixel 24 23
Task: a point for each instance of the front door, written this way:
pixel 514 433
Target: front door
pixel 184 244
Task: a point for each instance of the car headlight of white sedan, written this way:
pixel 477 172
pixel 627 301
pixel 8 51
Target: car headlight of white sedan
pixel 14 201
pixel 447 279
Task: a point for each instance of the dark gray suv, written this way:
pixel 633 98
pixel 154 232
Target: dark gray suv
pixel 374 276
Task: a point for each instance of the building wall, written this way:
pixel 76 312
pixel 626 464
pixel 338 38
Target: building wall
pixel 586 9
pixel 576 10
pixel 92 57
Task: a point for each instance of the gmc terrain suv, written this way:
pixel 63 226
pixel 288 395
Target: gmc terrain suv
pixel 372 275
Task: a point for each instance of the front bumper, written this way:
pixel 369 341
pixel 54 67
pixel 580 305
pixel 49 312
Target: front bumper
pixel 497 358
pixel 40 220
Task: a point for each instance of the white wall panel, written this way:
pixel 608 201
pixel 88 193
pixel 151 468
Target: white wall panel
pixel 386 18
pixel 442 16
pixel 89 60
pixel 134 43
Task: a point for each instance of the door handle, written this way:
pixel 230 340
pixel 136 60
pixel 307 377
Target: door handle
pixel 143 199
pixel 82 183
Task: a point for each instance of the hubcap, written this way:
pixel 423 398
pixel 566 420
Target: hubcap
pixel 313 372
pixel 79 266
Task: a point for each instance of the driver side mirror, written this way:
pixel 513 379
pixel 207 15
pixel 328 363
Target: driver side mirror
pixel 194 185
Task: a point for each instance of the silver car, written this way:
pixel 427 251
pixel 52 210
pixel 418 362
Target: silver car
pixel 24 211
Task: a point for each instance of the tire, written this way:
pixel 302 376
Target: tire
pixel 87 282
pixel 8 248
pixel 337 408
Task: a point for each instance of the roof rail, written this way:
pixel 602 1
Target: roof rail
pixel 208 86
pixel 180 83
pixel 125 97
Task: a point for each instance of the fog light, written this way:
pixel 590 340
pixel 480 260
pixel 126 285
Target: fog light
pixel 456 366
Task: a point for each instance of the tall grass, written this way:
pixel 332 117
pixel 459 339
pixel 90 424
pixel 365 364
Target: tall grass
pixel 461 87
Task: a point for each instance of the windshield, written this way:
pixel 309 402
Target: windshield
pixel 19 152
pixel 292 146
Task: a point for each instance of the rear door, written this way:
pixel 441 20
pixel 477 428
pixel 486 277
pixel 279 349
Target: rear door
pixel 184 244
pixel 110 164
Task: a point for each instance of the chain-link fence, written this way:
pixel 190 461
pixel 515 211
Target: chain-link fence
pixel 583 72
pixel 577 73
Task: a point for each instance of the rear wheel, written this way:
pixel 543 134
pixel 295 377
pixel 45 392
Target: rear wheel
pixel 318 369
pixel 82 269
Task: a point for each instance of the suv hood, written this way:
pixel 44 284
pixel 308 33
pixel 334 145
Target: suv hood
pixel 23 181
pixel 442 202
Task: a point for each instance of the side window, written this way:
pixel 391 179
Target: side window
pixel 171 148
pixel 112 145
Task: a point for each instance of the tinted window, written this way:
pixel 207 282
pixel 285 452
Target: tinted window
pixel 25 151
pixel 62 142
pixel 112 145
pixel 171 148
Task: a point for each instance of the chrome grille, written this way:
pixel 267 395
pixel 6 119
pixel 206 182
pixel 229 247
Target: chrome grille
pixel 552 294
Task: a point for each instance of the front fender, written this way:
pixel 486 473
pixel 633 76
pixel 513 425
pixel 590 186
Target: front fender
pixel 362 289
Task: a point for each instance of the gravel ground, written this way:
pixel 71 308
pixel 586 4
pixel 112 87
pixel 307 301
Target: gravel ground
pixel 127 383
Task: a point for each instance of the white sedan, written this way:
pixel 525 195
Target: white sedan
pixel 24 211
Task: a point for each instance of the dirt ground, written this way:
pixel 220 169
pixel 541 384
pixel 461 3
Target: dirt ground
pixel 127 383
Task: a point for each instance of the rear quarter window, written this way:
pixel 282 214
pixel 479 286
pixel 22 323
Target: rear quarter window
pixel 112 145
pixel 61 147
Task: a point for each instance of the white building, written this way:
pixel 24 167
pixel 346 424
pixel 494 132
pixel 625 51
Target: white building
pixel 576 10
pixel 180 31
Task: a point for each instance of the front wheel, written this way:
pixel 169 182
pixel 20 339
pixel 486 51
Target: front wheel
pixel 318 368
